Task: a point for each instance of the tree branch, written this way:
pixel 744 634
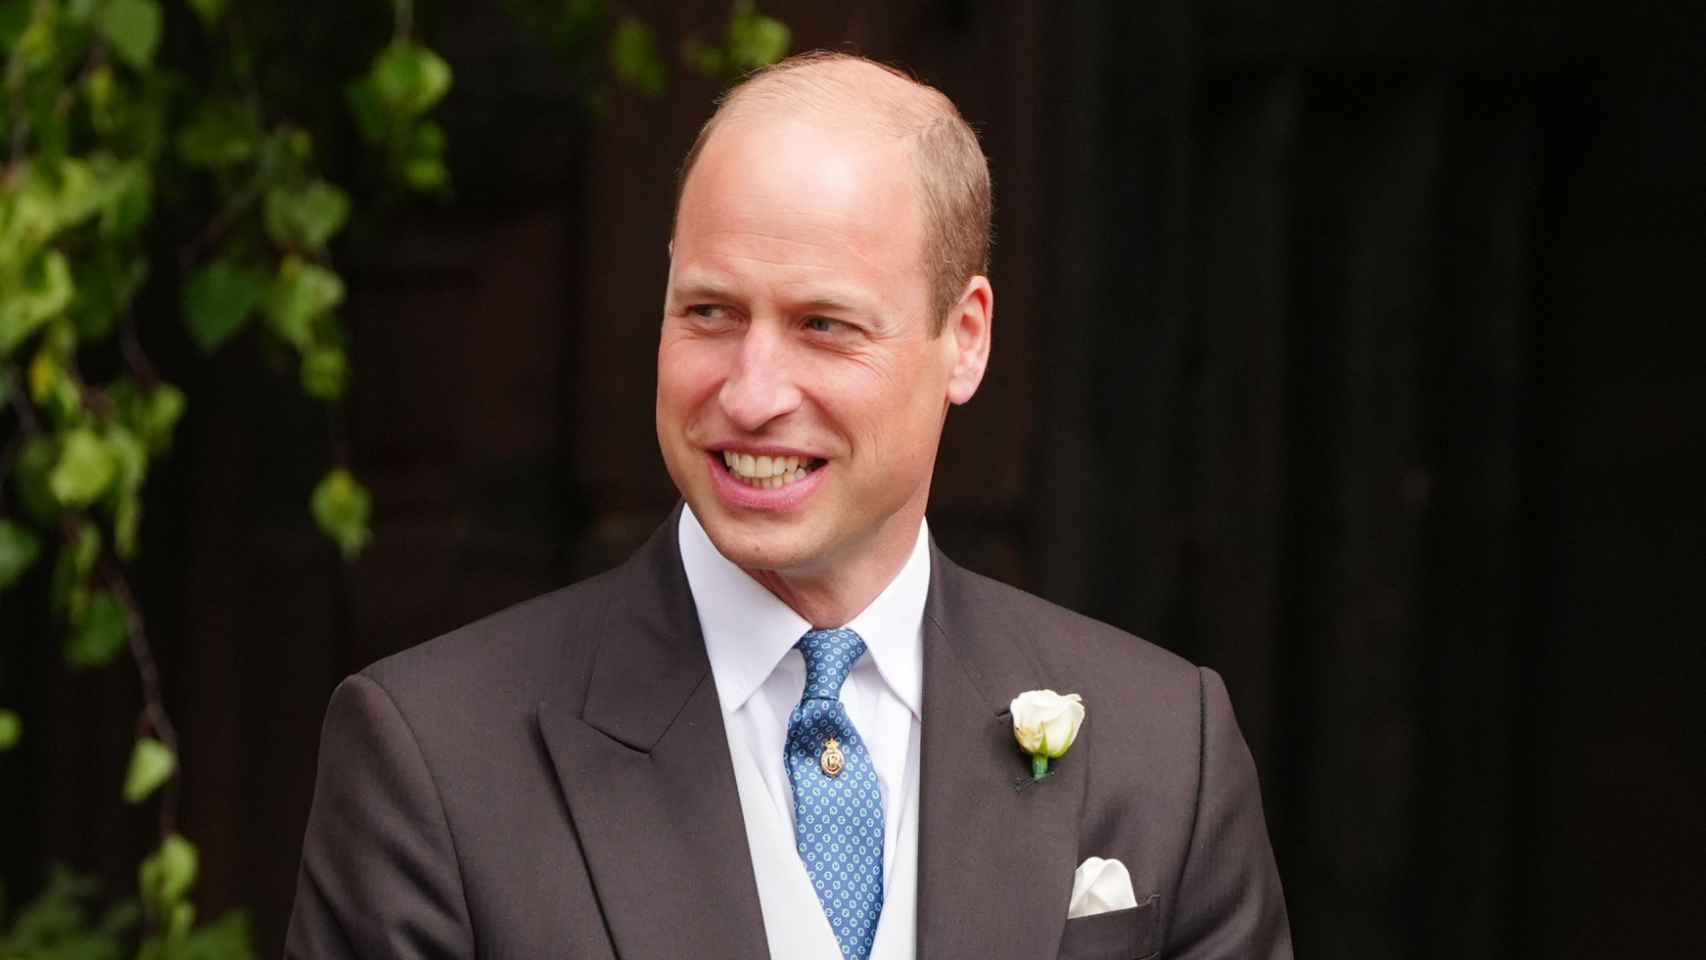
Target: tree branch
pixel 154 716
pixel 134 356
pixel 404 22
pixel 20 135
pixel 191 252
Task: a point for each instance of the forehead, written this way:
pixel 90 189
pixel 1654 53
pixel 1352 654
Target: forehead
pixel 788 188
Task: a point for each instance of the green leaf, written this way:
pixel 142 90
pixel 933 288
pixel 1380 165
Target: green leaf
pixel 150 416
pixel 152 763
pixel 41 293
pixel 222 133
pixel 301 293
pixel 73 188
pixel 130 456
pixel 429 139
pixel 372 120
pixel 425 170
pixel 131 28
pixel 127 523
pixel 86 550
pixel 110 105
pixel 60 923
pixel 167 875
pixel 107 280
pixel 755 40
pixel 408 79
pixel 426 174
pixel 325 371
pixel 130 207
pixel 210 11
pixel 218 301
pixel 99 87
pixel 35 465
pixel 85 469
pixel 44 375
pixel 14 17
pixel 38 43
pixel 703 58
pixel 11 730
pixel 227 938
pixel 159 416
pixel 19 549
pixel 634 56
pixel 342 506
pixel 179 921
pixel 305 217
pixel 101 635
pixel 122 194
pixel 70 591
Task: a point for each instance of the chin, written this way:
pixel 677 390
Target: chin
pixel 754 546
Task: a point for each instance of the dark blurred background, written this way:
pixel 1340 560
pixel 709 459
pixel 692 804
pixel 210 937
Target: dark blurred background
pixel 1351 349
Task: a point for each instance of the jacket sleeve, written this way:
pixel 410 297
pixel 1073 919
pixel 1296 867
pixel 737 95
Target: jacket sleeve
pixel 379 874
pixel 1230 903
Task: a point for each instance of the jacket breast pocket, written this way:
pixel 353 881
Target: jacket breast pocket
pixel 1127 934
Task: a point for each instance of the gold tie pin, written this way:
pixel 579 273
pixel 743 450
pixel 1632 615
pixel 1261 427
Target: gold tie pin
pixel 832 762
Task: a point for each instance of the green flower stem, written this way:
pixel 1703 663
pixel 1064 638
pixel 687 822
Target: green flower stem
pixel 1039 766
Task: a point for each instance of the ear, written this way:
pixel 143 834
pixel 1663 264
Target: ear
pixel 965 335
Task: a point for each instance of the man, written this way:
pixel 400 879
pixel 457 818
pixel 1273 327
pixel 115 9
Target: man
pixel 782 728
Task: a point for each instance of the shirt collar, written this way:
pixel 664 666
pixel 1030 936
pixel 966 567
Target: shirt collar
pixel 748 630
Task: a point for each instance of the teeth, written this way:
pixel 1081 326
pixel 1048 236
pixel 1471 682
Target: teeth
pixel 766 472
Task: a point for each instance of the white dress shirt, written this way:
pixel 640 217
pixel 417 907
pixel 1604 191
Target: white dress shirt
pixel 749 637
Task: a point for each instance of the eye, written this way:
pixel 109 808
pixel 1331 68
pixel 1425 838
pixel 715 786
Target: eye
pixel 711 317
pixel 823 324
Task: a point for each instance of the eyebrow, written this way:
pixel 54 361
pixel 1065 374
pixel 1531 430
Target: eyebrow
pixel 833 304
pixel 697 289
pixel 701 290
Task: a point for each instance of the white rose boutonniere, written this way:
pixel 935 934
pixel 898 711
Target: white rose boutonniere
pixel 1045 723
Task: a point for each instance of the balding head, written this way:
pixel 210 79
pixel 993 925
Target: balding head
pixel 847 91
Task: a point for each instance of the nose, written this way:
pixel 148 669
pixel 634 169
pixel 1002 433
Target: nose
pixel 761 386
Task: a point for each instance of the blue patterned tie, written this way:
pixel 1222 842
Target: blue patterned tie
pixel 838 810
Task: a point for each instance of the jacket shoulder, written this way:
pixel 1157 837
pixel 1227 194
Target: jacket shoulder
pixel 513 656
pixel 1069 644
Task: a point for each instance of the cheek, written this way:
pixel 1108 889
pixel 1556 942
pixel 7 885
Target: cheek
pixel 892 408
pixel 688 374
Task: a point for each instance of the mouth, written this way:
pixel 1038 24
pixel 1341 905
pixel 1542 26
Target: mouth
pixel 767 471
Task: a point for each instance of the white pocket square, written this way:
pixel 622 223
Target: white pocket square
pixel 1100 886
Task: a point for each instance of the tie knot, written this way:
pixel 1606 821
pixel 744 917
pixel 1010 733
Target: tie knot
pixel 829 654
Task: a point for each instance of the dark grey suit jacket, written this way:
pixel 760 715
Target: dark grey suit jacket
pixel 554 781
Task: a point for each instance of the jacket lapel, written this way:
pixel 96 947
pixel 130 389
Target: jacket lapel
pixel 995 863
pixel 644 767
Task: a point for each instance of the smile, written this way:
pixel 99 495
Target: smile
pixel 768 472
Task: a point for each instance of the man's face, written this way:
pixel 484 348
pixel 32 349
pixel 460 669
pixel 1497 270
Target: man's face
pixel 801 394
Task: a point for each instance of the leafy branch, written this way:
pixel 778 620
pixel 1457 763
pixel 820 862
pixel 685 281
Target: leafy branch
pixel 104 124
pixel 95 131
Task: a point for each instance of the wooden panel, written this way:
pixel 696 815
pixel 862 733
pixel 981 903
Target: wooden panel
pixel 1368 148
pixel 1233 409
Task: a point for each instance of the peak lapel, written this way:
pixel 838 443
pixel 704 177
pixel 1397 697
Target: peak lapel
pixel 995 863
pixel 646 773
